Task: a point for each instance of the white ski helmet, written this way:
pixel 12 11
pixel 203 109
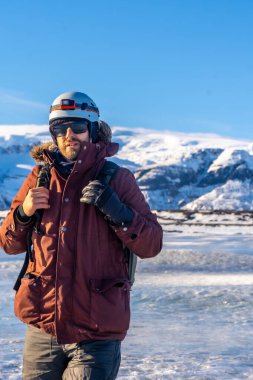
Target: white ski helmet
pixel 74 104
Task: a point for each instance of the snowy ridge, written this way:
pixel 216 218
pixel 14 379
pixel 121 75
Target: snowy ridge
pixel 174 170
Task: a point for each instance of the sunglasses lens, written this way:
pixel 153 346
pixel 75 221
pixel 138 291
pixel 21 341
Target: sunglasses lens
pixel 79 128
pixel 76 127
pixel 59 132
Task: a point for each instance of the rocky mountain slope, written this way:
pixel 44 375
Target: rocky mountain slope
pixel 174 170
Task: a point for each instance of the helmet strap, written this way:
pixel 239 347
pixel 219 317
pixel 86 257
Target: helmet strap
pixel 94 132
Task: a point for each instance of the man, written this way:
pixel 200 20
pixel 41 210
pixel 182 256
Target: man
pixel 74 296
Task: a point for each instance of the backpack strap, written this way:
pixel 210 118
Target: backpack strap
pixel 105 176
pixel 43 179
pixel 107 172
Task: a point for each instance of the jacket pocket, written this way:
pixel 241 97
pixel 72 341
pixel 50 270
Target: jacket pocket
pixel 110 305
pixel 28 299
pixel 35 299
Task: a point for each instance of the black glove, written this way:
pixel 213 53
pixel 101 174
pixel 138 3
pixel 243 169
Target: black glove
pixel 107 201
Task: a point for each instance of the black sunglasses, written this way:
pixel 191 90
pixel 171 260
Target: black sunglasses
pixel 76 127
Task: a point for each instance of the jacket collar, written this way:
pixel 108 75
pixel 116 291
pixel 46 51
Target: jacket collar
pixel 90 155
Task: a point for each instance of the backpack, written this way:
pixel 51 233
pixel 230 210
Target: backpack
pixel 105 175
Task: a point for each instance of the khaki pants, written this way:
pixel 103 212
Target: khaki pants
pixel 45 359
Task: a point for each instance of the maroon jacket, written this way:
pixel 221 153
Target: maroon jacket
pixel 81 289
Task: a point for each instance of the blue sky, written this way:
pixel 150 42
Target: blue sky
pixel 182 65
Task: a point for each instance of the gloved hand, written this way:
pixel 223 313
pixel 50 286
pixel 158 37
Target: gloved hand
pixel 107 201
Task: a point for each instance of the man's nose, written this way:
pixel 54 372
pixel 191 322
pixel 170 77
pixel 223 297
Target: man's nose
pixel 69 133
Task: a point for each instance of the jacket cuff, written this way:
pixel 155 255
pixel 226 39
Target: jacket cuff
pixel 20 216
pixel 129 230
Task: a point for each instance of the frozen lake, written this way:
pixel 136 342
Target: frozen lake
pixel 192 311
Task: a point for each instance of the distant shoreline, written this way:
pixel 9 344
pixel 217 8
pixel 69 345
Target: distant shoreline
pixel 210 218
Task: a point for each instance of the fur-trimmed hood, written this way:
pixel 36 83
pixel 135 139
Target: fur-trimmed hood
pixel 37 152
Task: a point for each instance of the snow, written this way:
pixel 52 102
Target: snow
pixel 147 147
pixel 232 156
pixel 233 194
pixel 22 134
pixel 27 167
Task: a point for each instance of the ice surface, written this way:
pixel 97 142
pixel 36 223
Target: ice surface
pixel 191 311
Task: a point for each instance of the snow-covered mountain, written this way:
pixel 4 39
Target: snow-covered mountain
pixel 174 170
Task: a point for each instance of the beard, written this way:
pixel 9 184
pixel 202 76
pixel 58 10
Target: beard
pixel 70 148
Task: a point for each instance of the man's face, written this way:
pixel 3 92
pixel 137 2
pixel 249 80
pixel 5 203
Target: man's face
pixel 70 144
